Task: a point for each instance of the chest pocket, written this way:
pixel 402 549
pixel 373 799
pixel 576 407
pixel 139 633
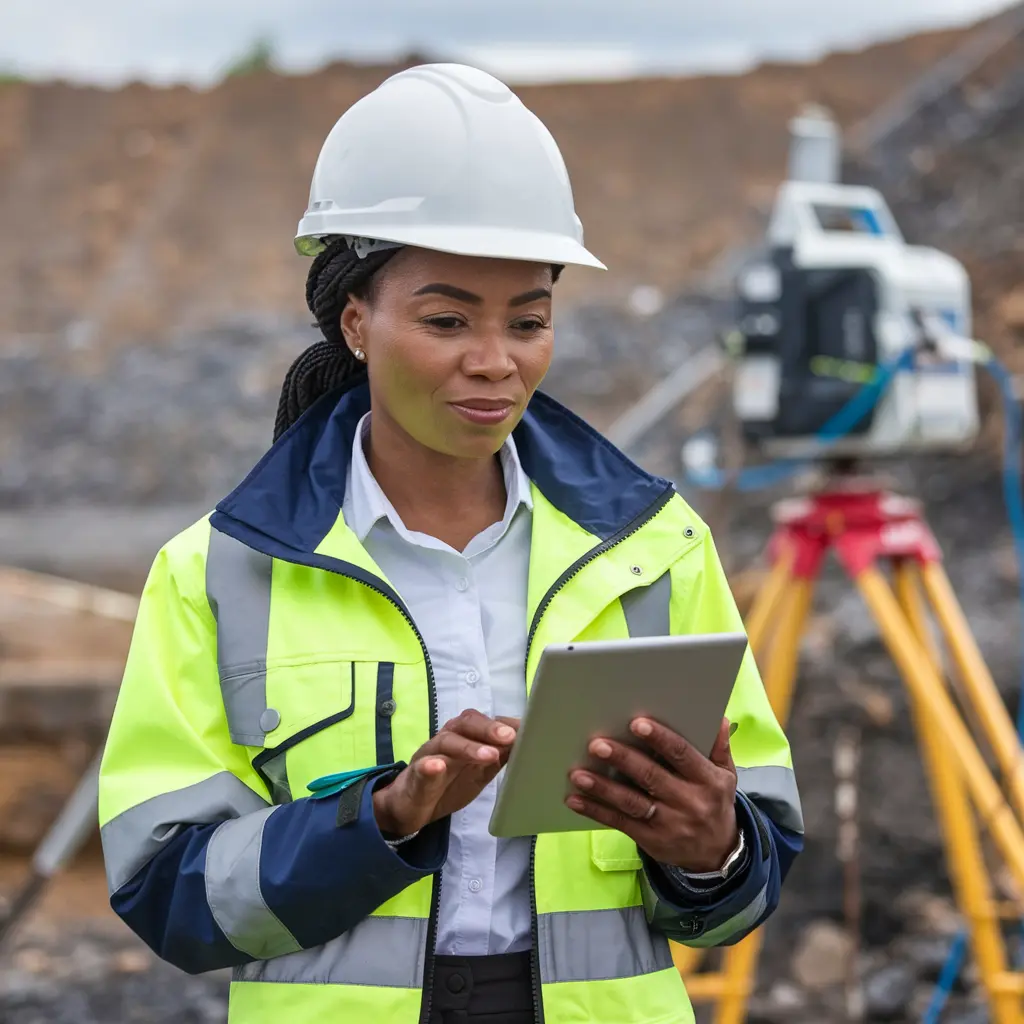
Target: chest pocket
pixel 324 717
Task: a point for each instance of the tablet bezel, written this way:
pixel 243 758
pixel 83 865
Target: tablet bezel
pixel 685 682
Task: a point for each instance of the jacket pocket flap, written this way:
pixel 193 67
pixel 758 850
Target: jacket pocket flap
pixel 611 850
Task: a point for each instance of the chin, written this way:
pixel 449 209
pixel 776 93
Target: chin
pixel 481 446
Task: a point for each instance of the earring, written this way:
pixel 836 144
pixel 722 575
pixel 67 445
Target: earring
pixel 360 355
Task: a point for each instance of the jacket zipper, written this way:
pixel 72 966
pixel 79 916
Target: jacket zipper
pixel 627 531
pixel 435 897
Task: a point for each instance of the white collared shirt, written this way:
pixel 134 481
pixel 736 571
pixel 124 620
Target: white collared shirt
pixel 471 608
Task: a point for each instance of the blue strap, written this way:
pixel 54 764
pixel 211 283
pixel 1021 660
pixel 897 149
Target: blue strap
pixel 331 785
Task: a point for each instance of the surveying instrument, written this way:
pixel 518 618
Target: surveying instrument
pixel 834 304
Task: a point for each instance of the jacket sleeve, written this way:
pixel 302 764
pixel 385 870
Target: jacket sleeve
pixel 199 863
pixel 768 802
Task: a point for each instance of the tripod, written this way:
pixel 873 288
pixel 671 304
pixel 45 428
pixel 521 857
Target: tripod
pixel 865 526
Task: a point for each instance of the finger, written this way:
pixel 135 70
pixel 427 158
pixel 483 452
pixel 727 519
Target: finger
pixel 650 776
pixel 596 811
pixel 721 752
pixel 615 795
pixel 476 726
pixel 428 777
pixel 684 758
pixel 457 747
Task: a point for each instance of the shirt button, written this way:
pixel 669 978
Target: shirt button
pixel 462 583
pixel 472 677
pixel 475 885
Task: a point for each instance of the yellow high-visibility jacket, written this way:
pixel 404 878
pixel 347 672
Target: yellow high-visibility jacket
pixel 269 651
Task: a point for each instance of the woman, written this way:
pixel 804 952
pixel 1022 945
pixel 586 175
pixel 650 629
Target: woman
pixel 328 672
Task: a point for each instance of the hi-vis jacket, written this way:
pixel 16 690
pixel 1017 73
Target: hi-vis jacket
pixel 270 651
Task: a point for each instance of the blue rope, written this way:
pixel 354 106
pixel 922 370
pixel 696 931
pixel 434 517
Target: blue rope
pixel 758 478
pixel 947 979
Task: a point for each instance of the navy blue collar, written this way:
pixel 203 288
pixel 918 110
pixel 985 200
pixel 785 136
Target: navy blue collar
pixel 293 495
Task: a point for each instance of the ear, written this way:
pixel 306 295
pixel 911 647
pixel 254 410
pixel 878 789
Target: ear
pixel 353 323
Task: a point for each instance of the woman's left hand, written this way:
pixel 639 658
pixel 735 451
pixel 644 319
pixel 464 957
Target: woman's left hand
pixel 683 814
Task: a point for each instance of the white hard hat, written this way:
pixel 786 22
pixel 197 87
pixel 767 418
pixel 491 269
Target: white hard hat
pixel 445 157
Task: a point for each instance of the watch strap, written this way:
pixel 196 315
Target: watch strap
pixel 732 862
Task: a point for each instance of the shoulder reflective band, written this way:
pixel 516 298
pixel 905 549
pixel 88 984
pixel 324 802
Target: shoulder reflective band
pixel 238 582
pixel 647 608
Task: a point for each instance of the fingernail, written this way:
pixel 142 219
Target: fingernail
pixel 601 749
pixel 642 727
pixel 506 733
pixel 583 781
pixel 488 752
pixel 575 803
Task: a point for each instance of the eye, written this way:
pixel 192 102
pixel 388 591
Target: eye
pixel 443 323
pixel 530 325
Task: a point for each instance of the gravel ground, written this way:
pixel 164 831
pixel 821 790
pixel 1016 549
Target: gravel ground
pixel 95 978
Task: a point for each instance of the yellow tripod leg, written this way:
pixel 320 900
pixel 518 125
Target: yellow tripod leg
pixel 926 689
pixel 740 961
pixel 977 682
pixel 964 855
pixel 766 602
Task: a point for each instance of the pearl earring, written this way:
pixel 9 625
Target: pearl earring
pixel 360 355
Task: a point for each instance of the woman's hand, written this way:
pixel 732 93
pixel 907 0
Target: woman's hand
pixel 449 771
pixel 684 813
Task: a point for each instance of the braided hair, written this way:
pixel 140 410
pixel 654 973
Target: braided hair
pixel 336 273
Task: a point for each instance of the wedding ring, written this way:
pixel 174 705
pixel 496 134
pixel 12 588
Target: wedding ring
pixel 650 811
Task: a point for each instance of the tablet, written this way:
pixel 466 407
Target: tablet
pixel 596 688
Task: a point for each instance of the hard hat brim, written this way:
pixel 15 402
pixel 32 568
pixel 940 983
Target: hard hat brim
pixel 492 243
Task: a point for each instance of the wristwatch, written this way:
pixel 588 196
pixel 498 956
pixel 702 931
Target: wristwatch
pixel 732 862
pixel 404 839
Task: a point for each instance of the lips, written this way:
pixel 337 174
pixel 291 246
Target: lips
pixel 484 411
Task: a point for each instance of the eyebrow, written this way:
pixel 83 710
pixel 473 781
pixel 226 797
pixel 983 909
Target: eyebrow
pixel 461 295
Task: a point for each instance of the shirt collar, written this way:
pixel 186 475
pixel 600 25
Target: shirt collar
pixel 366 504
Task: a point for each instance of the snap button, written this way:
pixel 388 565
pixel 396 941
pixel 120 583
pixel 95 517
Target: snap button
pixel 456 983
pixel 475 885
pixel 688 532
pixel 462 584
pixel 270 719
pixel 472 677
pixel 387 708
pixel 636 570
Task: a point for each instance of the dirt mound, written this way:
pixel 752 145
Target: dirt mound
pixel 142 209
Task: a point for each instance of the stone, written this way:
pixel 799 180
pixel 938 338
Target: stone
pixel 787 997
pixel 1011 309
pixel 888 991
pixel 33 961
pixel 927 954
pixel 928 913
pixel 821 957
pixel 132 961
pixel 970 1015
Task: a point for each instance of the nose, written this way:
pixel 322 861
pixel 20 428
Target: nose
pixel 488 356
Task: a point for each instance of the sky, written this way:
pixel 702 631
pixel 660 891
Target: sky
pixel 109 42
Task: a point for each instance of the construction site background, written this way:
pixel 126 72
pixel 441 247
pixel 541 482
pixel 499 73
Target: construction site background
pixel 150 301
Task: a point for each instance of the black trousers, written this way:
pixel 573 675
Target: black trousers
pixel 489 989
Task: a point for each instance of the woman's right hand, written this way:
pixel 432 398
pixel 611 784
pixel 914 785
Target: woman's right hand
pixel 448 772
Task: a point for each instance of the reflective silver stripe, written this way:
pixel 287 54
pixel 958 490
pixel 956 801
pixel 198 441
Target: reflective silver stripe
pixel 773 788
pixel 737 923
pixel 383 952
pixel 233 889
pixel 238 589
pixel 647 608
pixel 594 945
pixel 135 837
